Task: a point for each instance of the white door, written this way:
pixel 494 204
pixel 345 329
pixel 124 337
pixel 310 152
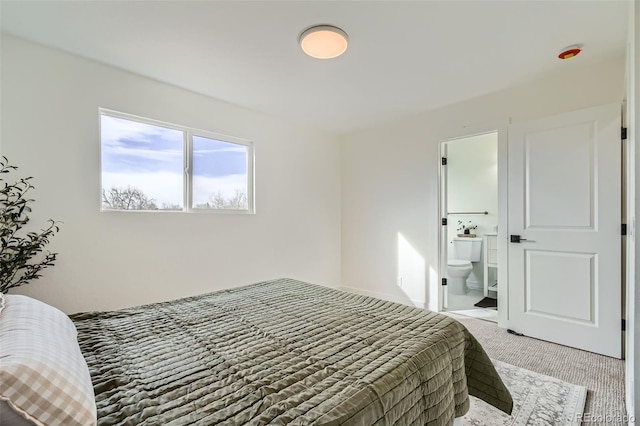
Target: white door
pixel 564 203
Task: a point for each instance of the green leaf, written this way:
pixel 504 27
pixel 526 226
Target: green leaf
pixel 22 254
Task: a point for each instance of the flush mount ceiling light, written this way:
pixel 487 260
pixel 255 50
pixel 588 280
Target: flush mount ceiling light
pixel 323 41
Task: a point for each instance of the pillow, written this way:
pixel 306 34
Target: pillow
pixel 43 375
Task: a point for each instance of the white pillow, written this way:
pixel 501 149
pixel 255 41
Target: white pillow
pixel 43 375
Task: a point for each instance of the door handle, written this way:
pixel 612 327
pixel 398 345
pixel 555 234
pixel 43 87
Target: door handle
pixel 517 239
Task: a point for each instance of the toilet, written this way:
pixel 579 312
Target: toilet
pixel 465 251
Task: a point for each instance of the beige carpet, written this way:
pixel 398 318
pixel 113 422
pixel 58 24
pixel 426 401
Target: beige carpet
pixel 602 376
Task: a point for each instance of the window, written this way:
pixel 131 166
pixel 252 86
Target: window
pixel 152 166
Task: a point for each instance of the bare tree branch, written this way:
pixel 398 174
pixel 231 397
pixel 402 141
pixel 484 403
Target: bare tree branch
pixel 127 199
pixel 237 201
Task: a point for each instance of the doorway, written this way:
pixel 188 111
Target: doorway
pixel 559 238
pixel 468 245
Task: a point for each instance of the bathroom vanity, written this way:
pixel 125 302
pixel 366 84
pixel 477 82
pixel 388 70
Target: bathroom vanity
pixel 490 262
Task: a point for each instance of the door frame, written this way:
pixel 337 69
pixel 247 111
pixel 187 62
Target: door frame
pixel 501 127
pixel 630 118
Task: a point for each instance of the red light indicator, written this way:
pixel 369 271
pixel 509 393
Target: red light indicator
pixel 570 51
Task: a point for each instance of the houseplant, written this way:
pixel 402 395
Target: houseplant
pixel 466 227
pixel 22 255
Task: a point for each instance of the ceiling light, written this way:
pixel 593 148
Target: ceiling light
pixel 323 41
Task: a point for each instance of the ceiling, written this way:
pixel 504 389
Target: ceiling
pixel 403 57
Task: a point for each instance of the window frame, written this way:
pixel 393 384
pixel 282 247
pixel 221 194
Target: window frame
pixel 188 133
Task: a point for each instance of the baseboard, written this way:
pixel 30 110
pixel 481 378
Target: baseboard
pixel 385 296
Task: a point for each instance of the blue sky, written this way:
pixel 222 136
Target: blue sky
pixel 216 158
pixel 129 146
pixel 151 158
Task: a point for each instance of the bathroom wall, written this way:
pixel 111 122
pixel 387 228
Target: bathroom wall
pixel 472 173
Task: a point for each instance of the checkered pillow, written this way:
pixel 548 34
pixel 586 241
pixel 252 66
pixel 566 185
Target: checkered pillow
pixel 43 375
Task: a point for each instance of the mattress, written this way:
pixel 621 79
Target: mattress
pixel 283 352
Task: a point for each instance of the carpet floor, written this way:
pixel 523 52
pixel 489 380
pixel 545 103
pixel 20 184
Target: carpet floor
pixel 602 376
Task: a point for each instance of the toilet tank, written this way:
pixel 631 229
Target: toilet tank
pixel 467 248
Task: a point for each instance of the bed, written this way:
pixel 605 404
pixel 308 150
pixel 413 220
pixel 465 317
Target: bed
pixel 283 352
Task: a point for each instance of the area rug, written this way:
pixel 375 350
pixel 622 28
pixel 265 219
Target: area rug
pixel 537 400
pixel 487 302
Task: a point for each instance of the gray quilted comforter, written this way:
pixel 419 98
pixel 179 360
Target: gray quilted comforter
pixel 283 352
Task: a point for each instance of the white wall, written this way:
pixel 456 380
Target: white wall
pixel 109 260
pixel 472 186
pixel 390 175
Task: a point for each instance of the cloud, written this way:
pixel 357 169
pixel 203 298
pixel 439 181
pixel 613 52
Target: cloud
pixel 146 154
pixel 129 146
pixel 116 131
pixel 240 149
